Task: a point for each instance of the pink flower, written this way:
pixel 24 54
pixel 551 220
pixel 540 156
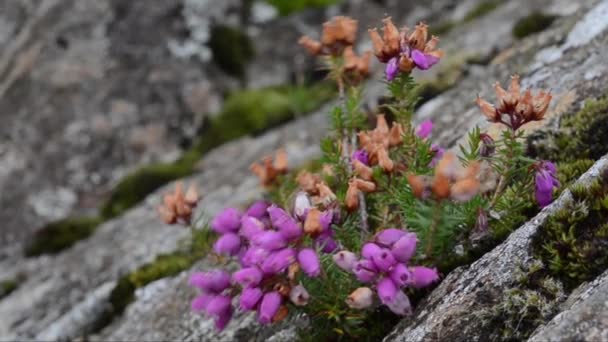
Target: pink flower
pixel 214 281
pixel 387 290
pixel 361 155
pixel 250 298
pixel 229 220
pixel 405 248
pixel 383 260
pixel 200 303
pixel 546 180
pixel 227 244
pixel 345 260
pixel 270 240
pixel 285 224
pixel 309 262
pixel 401 304
pixel 301 205
pixel 251 227
pixel 298 295
pixel 364 270
pixel 220 309
pixel 423 276
pixel 388 237
pixel 400 275
pixel 271 302
pixel 248 277
pixel 258 209
pixel 254 256
pixel 326 219
pixel 369 250
pixel 423 61
pixel 424 129
pixel 392 69
pixel 278 261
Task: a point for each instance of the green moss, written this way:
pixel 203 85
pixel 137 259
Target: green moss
pixel 136 186
pixel 581 135
pixel 62 234
pixel 533 23
pixel 231 48
pixel 482 9
pixel 163 266
pixel 574 241
pixel 287 7
pixel 7 286
pixel 530 301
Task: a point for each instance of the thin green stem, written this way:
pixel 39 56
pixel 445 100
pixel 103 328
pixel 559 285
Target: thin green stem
pixel 433 230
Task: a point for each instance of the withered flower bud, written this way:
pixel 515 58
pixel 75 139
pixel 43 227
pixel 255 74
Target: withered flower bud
pixel 308 182
pixel 504 98
pixel 312 46
pixel 514 88
pixel 431 45
pixel 350 59
pixel 192 195
pixel 362 170
pixel 406 64
pixel 488 110
pixel 441 186
pixel 417 185
pixel 524 108
pixel 391 37
pixel 488 147
pixel 168 216
pixel 312 225
pixel 299 296
pixel 352 196
pixel 418 38
pixel 541 104
pixel 378 44
pixel 365 186
pixel 396 135
pixel 361 298
pixel 381 124
pixel 325 193
pixel 280 161
pixel 465 189
pixel 385 161
pixel 281 314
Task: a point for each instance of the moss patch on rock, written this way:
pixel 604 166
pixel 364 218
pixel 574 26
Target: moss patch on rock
pixel 533 23
pixel 59 235
pixel 7 287
pixel 287 7
pixel 481 9
pixel 231 48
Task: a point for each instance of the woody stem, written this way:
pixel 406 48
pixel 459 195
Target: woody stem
pixel 433 230
pixel 362 205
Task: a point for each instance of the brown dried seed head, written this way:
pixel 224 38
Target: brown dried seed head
pixel 541 104
pixel 396 135
pixel 192 195
pixel 514 88
pixel 381 125
pixel 391 37
pixel 524 106
pixel 377 43
pixel 447 166
pixel 325 192
pixel 168 216
pixel 441 186
pixel 308 182
pixel 361 298
pixel 418 38
pixel 417 184
pixel 431 45
pixel 406 64
pixel 385 161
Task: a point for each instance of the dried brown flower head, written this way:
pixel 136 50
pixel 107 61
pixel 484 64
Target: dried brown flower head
pixel 268 170
pixel 177 206
pixel 378 142
pixel 338 33
pixel 518 108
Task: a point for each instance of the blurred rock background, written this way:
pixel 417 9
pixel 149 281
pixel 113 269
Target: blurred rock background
pixel 104 102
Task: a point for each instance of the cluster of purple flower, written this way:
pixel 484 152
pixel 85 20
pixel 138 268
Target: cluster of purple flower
pixel 384 263
pixel 269 245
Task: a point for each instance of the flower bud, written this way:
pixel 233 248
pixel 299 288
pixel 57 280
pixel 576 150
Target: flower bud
pixel 248 277
pixel 258 209
pixel 278 261
pixel 327 243
pixel 488 147
pixel 301 205
pixel 309 262
pixel 222 320
pixel 271 302
pixel 227 244
pixel 361 298
pixel 250 297
pixel 218 305
pixel 481 226
pixel 361 156
pixel 364 270
pixel 424 129
pixel 214 281
pixel 270 240
pixel 405 248
pixel 298 295
pixel 326 219
pixel 423 276
pixel 401 304
pixel 370 249
pixel 423 60
pixel 200 303
pixel 364 185
pixel 251 227
pixel 352 197
pixel 383 260
pixel 345 260
pixel 229 220
pixel 392 69
pixel 388 237
pixel 387 290
pixel 464 190
pixel 400 275
pixel 191 198
pixel 363 171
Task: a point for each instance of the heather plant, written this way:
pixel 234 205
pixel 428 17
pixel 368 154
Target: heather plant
pixel 388 213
